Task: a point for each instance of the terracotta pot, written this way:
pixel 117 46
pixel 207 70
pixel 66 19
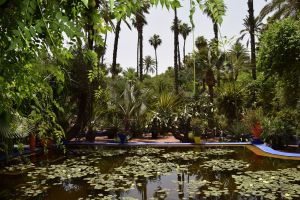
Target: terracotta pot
pixel 32 142
pixel 257 130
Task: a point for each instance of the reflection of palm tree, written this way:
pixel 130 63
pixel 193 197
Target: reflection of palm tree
pixel 155 41
pixel 281 9
pixel 184 31
pixel 142 187
pixel 149 64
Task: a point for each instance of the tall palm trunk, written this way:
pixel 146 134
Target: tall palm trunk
pixel 176 33
pixel 216 33
pixel 252 37
pixel 105 42
pixel 115 53
pixel 141 52
pixel 210 81
pixel 137 57
pixel 156 66
pixel 184 40
pixel 178 49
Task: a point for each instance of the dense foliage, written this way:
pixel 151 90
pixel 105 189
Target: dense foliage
pixel 54 83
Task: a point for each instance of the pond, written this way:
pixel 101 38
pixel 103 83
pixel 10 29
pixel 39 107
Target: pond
pixel 153 173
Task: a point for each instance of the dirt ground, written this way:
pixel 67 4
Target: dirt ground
pixel 145 138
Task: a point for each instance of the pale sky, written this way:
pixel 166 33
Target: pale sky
pixel 159 22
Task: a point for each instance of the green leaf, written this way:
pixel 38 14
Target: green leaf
pixel 111 4
pixel 86 3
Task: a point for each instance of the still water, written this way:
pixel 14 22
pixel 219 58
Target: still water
pixel 151 173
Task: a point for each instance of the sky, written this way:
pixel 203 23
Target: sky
pixel 159 22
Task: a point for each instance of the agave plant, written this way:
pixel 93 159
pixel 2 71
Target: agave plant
pixel 131 106
pixel 164 111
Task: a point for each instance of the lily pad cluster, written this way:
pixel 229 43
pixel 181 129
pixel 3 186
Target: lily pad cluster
pixel 144 167
pixel 147 151
pixel 182 156
pixel 195 186
pixel 216 189
pixel 65 171
pixel 107 183
pixel 217 152
pixel 62 172
pixel 127 176
pixel 110 153
pixel 33 188
pixel 280 184
pixel 17 168
pixel 204 188
pixel 225 165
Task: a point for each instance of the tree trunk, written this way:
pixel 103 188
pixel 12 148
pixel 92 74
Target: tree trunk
pixel 137 56
pixel 176 86
pixel 216 32
pixel 179 57
pixel 141 52
pixel 252 37
pixel 115 53
pixel 210 81
pixel 102 57
pixel 184 40
pixel 156 62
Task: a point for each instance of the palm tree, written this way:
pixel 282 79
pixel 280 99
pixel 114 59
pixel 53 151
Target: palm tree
pixel 130 75
pixel 155 41
pixel 184 31
pixel 210 6
pixel 281 9
pixel 108 17
pixel 178 50
pixel 116 70
pixel 239 58
pixel 139 22
pixel 115 51
pixel 252 37
pixel 258 27
pixel 149 64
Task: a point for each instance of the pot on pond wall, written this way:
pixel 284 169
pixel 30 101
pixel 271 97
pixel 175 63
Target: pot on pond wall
pixel 122 138
pixel 256 133
pixel 197 139
pixel 32 142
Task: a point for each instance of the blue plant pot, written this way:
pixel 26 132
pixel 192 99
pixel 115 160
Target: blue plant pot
pixel 122 138
pixel 257 141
